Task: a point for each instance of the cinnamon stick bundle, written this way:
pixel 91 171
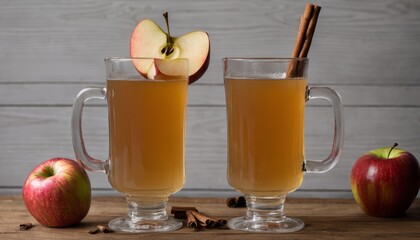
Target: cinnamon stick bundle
pixel 304 37
pixel 204 220
pixel 191 221
pixel 196 219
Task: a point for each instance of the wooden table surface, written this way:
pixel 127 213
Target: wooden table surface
pixel 324 219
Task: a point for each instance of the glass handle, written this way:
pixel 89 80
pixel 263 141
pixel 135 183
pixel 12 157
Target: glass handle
pixel 84 159
pixel 320 166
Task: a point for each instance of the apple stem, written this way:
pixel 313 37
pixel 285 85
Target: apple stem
pixel 395 144
pixel 168 49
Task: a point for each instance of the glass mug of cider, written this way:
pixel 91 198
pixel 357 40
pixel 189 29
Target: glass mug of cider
pixel 146 138
pixel 265 105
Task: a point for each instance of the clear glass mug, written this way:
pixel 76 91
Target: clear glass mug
pixel 146 139
pixel 265 124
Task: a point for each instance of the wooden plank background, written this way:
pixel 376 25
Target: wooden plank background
pixel 367 50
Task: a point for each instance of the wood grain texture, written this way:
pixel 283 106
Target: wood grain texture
pixel 366 50
pixel 324 219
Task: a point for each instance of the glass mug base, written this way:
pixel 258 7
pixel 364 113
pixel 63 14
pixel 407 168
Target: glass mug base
pixel 145 216
pixel 265 214
pixel 126 224
pixel 284 225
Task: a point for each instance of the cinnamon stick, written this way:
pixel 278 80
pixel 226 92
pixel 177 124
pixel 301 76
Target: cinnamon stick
pixel 100 228
pixel 180 212
pixel 25 226
pixel 191 221
pixel 177 209
pixel 303 26
pixel 204 220
pixel 221 222
pixel 304 38
pixel 104 228
pixel 310 32
pixel 236 202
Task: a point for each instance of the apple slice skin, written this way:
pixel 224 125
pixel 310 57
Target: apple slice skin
pixel 385 187
pixel 148 41
pixel 199 73
pixel 189 49
pixel 146 46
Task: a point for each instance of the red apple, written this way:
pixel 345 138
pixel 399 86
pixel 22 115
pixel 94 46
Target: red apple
pixel 57 192
pixel 148 40
pixel 385 181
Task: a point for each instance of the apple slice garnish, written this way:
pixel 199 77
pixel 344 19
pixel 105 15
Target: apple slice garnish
pixel 150 41
pixel 164 69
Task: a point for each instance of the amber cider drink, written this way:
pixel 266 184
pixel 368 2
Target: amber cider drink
pixel 147 136
pixel 265 135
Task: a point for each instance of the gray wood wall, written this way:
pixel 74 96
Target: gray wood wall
pixel 367 50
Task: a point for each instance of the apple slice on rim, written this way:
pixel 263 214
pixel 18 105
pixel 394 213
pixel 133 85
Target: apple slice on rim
pixel 164 69
pixel 150 41
pixel 172 67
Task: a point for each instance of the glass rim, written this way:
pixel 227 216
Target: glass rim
pixel 265 58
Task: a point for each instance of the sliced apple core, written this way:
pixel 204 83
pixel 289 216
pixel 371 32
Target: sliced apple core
pixel 150 41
